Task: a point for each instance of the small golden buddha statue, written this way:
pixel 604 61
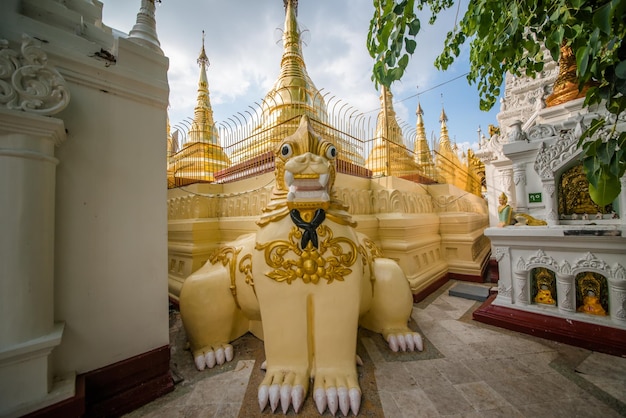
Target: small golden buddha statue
pixel 591 305
pixel 544 296
pixel 504 211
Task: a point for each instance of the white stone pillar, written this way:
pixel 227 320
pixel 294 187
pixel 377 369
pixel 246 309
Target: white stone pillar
pixel 549 189
pixel 519 178
pixel 622 200
pixel 617 294
pixel 27 329
pixel 28 333
pixel 566 292
pixel 521 286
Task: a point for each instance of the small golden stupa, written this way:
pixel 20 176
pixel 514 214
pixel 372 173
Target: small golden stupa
pixel 389 156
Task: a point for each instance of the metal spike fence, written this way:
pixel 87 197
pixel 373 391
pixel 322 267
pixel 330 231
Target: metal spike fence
pixel 243 146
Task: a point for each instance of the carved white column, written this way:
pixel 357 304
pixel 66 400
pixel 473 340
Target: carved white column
pixel 617 294
pixel 549 189
pixel 566 292
pixel 503 257
pixel 519 178
pixel 28 333
pixel 521 286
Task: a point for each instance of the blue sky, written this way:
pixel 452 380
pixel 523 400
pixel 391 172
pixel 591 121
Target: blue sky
pixel 242 43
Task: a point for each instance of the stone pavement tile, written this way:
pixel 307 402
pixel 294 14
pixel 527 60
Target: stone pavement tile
pixel 394 377
pixel 487 350
pixel 467 333
pixel 516 346
pixel 448 400
pixel 567 408
pixel 497 368
pixel 455 371
pixel 390 408
pixel 604 365
pixel 372 350
pixel 567 388
pixel 502 412
pixel 520 391
pixel 414 404
pixel 481 396
pixel 441 337
pixel 538 363
pixel 461 351
pixel 228 410
pixel 426 373
pixel 615 388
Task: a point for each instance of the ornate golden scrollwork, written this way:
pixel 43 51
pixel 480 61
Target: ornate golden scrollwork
pixel 228 257
pixel 245 266
pixel 330 262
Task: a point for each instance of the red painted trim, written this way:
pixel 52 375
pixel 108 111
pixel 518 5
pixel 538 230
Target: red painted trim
pixel 580 334
pixel 431 288
pixel 118 388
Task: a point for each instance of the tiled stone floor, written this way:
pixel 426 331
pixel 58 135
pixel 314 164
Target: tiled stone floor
pixel 467 369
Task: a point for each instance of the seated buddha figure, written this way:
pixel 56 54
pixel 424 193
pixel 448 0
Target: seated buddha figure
pixel 591 305
pixel 504 211
pixel 544 295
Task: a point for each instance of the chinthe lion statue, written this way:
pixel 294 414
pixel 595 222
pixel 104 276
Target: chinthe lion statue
pixel 310 277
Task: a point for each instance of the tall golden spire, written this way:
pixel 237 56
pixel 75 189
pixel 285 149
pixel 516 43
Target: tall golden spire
pixel 423 156
pixel 202 156
pixel 292 95
pixel 203 126
pixel 448 162
pixel 389 157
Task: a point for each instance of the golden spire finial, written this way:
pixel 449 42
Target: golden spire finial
pixel 422 150
pixel 202 58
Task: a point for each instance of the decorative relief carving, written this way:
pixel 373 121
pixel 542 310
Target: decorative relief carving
pixel 504 291
pixel 519 174
pixel 620 297
pixel 27 83
pixel 550 159
pixel 479 245
pixel 500 252
pixel 590 261
pixel 541 132
pixel 359 202
pixel 566 301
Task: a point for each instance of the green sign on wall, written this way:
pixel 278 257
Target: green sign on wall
pixel 534 197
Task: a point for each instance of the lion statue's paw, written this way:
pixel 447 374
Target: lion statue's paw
pixel 208 357
pixel 404 341
pixel 288 388
pixel 337 393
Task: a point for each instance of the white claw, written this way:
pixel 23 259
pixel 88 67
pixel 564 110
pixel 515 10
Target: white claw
pixel 210 359
pixel 229 352
pixel 200 362
pixel 320 400
pixel 333 401
pixel 344 400
pixel 263 396
pixel 410 342
pixel 264 365
pixel 355 400
pixel 285 397
pixel 393 343
pixel 297 397
pixel 274 396
pixel 359 360
pixel 418 342
pixel 401 342
pixel 219 356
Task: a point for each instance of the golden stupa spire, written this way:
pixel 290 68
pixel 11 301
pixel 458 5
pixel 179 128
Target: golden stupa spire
pixel 423 156
pixel 389 156
pixel 203 126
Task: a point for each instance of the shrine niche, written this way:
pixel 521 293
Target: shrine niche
pixel 592 296
pixel 543 285
pixel 574 199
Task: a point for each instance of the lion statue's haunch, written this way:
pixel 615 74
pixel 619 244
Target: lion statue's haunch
pixel 310 277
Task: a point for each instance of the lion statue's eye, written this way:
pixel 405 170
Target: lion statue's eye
pixel 286 151
pixel 331 152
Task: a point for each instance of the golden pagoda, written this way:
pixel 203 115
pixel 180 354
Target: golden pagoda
pixel 292 95
pixel 448 162
pixel 389 156
pixel 202 156
pixel 423 156
pixel 566 84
